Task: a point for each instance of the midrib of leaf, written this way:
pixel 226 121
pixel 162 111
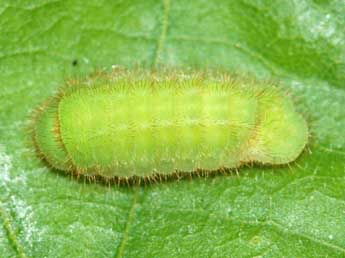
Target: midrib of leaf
pixel 155 62
pixel 162 36
pixel 129 222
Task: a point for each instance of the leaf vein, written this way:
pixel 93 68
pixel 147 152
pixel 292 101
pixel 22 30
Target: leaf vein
pixel 161 38
pixel 130 219
pixel 305 236
pixel 11 233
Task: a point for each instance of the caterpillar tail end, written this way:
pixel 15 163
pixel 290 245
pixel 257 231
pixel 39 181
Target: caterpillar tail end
pixel 47 140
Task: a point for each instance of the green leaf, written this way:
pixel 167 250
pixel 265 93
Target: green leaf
pixel 296 211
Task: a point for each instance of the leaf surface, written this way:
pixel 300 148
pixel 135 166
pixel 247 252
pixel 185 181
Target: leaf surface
pixel 296 211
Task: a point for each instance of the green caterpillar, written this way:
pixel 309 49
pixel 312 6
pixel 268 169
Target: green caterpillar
pixel 136 124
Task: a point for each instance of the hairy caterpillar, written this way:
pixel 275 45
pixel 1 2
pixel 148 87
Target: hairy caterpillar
pixel 135 124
